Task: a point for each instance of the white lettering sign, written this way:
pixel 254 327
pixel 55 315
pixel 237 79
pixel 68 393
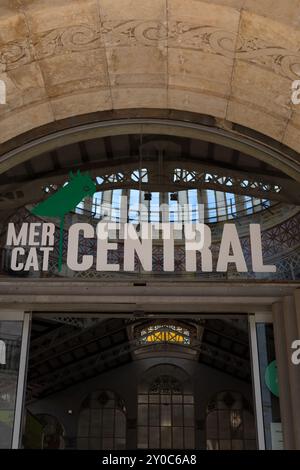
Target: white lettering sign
pixel 32 243
pixel 296 353
pixel 277 436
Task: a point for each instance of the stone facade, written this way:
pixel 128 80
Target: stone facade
pixel 231 59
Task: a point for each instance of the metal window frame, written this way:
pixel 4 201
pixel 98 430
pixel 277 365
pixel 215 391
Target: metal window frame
pixel 263 317
pixel 159 404
pixel 21 386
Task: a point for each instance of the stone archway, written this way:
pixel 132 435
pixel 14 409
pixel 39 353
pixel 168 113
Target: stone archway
pixel 231 59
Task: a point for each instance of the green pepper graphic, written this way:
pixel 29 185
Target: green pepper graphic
pixel 65 200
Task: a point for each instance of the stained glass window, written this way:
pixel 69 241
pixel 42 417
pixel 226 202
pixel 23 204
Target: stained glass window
pixel 10 347
pixel 165 333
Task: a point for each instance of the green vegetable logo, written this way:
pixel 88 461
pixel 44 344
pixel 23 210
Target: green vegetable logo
pixel 65 200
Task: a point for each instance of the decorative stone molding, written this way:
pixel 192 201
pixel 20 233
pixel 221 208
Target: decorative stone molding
pixel 15 54
pixel 72 39
pixel 235 64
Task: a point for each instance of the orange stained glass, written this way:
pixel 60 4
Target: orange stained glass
pixel 165 336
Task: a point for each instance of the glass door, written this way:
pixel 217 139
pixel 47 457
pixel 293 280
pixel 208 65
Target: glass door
pixel 265 378
pixel 14 331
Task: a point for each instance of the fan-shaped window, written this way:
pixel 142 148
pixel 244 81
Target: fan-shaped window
pixel 102 422
pixel 164 333
pixel 229 423
pixel 146 206
pixel 165 415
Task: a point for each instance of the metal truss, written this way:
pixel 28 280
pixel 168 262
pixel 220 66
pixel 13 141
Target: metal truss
pixel 100 361
pixel 48 346
pixel 164 176
pixel 247 185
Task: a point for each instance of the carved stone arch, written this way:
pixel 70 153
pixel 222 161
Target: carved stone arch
pixel 234 61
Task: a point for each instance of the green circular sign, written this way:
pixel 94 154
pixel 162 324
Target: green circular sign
pixel 271 378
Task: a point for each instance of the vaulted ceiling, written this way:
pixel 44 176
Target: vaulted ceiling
pixel 65 350
pixel 231 59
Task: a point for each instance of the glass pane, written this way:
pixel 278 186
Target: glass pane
pixel 10 346
pixel 104 424
pixel 212 444
pixel 108 422
pixel 154 438
pixel 188 399
pixel 249 427
pixel 189 438
pixel 165 399
pixel 154 415
pixel 269 386
pixel 120 424
pixel 224 424
pixel 94 444
pixel 225 444
pixel 237 444
pixel 178 438
pixel 120 444
pixel 154 207
pixel 177 415
pixel 82 444
pixel 250 445
pixel 212 426
pixel 177 398
pixel 95 429
pixel 83 427
pixel 153 398
pixel 236 424
pixel 188 415
pixel 110 404
pixel 166 438
pixel 143 398
pixel 142 437
pixel 107 444
pixel 165 411
pixel 143 415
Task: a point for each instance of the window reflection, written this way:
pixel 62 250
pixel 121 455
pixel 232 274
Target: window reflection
pixel 10 346
pixel 270 399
